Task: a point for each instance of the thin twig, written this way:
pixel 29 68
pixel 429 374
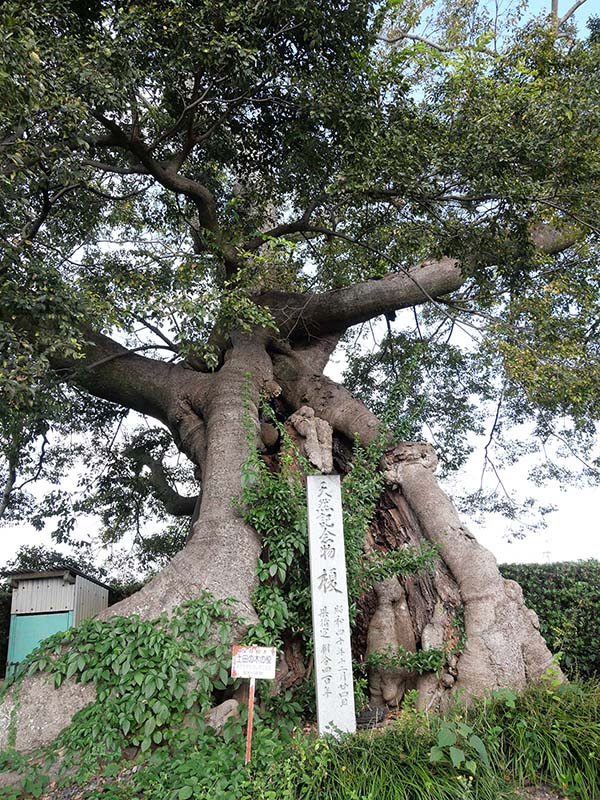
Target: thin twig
pixel 486 459
pixel 40 464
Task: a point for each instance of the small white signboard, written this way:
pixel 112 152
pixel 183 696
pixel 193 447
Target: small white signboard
pixel 253 662
pixel 331 625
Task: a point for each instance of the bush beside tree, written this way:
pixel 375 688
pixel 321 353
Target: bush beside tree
pixel 566 598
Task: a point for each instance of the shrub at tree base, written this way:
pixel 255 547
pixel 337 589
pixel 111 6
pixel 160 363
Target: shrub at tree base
pixel 566 598
pixel 549 734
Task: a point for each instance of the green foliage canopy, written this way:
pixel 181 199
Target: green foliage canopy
pixel 166 164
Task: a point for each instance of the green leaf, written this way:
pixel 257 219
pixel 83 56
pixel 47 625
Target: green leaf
pixel 71 669
pixel 149 726
pixel 436 754
pixel 457 756
pixel 478 745
pixel 185 793
pixel 446 737
pixel 139 714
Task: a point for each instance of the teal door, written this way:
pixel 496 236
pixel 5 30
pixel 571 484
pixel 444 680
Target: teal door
pixel 28 630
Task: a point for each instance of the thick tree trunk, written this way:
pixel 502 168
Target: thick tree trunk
pixel 503 646
pixel 221 555
pixel 463 607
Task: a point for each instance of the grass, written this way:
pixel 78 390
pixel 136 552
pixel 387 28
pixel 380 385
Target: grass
pixel 549 734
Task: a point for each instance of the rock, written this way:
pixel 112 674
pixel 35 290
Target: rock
pixel 43 711
pixel 371 717
pixel 447 680
pixel 218 716
pixel 269 434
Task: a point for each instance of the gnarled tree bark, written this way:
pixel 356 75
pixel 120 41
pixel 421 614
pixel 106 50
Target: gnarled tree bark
pixel 205 414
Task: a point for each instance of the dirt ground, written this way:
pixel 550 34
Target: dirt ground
pixel 541 793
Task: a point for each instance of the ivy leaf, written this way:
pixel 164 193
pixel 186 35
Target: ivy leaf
pixel 149 726
pixel 71 669
pixel 139 714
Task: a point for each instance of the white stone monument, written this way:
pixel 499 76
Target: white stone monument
pixel 329 590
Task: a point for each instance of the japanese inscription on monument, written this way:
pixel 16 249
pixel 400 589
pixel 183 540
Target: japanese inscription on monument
pixel 331 626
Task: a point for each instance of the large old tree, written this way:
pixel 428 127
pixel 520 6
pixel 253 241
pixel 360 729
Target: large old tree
pixel 200 199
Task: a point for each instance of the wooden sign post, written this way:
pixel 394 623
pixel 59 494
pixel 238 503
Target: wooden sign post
pixel 252 662
pixel 329 591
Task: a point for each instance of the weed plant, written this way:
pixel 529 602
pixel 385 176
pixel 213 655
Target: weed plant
pixel 549 734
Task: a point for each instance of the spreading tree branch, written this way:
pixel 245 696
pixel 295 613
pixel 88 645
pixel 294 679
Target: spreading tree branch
pixel 304 316
pixel 165 172
pixel 570 12
pixel 301 316
pixel 176 504
pixel 107 369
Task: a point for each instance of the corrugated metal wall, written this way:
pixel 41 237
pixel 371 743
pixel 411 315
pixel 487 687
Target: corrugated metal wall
pixel 40 595
pixel 28 630
pixel 90 599
pixel 42 606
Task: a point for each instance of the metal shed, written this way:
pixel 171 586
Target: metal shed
pixel 44 603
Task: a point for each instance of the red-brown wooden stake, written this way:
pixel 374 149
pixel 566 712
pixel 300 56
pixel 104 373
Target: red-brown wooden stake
pixel 250 718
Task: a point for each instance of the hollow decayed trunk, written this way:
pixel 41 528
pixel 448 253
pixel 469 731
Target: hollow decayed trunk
pixel 464 606
pixel 503 646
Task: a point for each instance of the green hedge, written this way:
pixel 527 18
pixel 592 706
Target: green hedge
pixel 566 598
